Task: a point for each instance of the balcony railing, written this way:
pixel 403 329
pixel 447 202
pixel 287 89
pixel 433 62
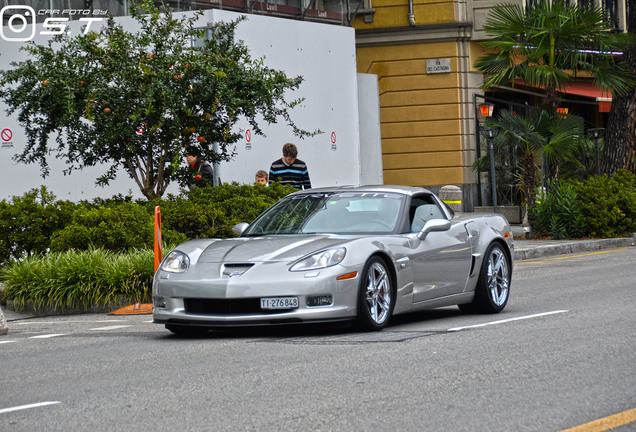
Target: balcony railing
pixel 339 12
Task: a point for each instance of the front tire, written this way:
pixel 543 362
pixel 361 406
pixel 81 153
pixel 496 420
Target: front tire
pixel 493 285
pixel 376 296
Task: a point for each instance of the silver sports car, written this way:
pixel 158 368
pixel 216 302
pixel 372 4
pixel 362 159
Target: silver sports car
pixel 347 253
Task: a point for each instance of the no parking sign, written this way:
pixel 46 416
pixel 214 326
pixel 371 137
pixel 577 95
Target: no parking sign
pixel 6 135
pixel 248 140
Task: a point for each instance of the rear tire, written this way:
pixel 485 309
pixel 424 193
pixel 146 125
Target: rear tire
pixel 376 296
pixel 493 285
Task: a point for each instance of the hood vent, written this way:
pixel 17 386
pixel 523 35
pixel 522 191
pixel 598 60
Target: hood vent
pixel 231 270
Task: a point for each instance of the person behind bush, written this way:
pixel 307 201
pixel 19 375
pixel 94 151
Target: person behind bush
pixel 201 171
pixel 290 170
pixel 261 177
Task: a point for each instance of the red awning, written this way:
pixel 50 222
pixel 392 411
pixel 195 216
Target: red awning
pixel 585 89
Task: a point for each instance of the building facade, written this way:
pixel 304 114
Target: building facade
pixel 423 53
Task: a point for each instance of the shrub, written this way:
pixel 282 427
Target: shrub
pixel 79 278
pixel 35 223
pixel 558 213
pixel 27 223
pixel 213 211
pixel 608 204
pixel 115 227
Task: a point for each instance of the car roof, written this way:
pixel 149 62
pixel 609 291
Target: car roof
pixel 406 190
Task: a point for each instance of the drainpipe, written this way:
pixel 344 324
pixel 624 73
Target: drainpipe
pixel 411 15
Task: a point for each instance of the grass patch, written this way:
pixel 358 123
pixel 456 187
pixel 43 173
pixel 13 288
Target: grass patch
pixel 75 279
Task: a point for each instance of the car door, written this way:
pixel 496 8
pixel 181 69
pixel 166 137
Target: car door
pixel 441 262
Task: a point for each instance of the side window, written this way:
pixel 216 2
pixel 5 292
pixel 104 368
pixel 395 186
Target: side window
pixel 423 208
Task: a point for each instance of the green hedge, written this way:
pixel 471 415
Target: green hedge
pixel 27 223
pixel 212 211
pixel 36 223
pixel 117 228
pixel 558 214
pixel 608 204
pixel 597 207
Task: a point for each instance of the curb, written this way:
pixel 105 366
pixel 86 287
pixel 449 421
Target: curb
pixel 572 247
pixel 29 310
pixel 3 324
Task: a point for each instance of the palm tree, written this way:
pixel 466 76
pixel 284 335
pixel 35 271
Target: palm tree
pixel 551 43
pixel 540 138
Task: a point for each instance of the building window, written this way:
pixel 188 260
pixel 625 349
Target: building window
pixel 611 9
pixel 615 10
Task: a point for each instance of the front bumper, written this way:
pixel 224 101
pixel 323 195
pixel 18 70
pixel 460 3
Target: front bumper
pixel 193 299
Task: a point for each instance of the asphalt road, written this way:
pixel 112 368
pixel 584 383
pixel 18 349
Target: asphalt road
pixel 559 356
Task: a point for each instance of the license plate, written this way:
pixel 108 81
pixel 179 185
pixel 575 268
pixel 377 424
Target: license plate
pixel 279 303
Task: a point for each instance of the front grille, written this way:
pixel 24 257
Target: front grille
pixel 236 269
pixel 247 306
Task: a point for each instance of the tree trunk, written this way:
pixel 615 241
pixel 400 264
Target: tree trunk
pixel 620 132
pixel 620 136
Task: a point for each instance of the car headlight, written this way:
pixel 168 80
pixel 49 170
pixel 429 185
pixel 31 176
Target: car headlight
pixel 175 262
pixel 319 260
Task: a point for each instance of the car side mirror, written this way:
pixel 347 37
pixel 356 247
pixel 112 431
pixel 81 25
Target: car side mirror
pixel 240 228
pixel 433 225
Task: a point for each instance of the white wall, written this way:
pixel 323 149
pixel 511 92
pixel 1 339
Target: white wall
pixel 370 136
pixel 323 54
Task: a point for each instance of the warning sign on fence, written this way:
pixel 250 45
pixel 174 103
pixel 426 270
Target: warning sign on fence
pixel 6 138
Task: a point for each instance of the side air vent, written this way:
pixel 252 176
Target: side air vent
pixel 473 261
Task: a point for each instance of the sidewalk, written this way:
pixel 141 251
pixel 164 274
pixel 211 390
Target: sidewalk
pixel 524 249
pixel 532 249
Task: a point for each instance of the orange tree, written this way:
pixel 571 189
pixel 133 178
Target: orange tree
pixel 134 101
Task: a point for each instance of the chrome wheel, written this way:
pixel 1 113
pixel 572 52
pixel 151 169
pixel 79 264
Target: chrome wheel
pixel 493 284
pixel 498 278
pixel 378 293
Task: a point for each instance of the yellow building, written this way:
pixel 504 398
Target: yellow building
pixel 422 52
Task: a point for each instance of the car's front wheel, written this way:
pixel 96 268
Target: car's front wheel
pixel 376 296
pixel 493 285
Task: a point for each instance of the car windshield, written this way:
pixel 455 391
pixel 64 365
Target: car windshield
pixel 338 213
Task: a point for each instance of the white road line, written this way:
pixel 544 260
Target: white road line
pixel 23 407
pixel 2 342
pixel 111 327
pixel 46 336
pixel 66 322
pixel 507 320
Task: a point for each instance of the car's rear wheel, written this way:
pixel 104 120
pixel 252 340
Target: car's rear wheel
pixel 493 285
pixel 183 330
pixel 376 297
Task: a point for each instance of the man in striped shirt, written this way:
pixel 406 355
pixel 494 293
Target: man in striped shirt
pixel 290 170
